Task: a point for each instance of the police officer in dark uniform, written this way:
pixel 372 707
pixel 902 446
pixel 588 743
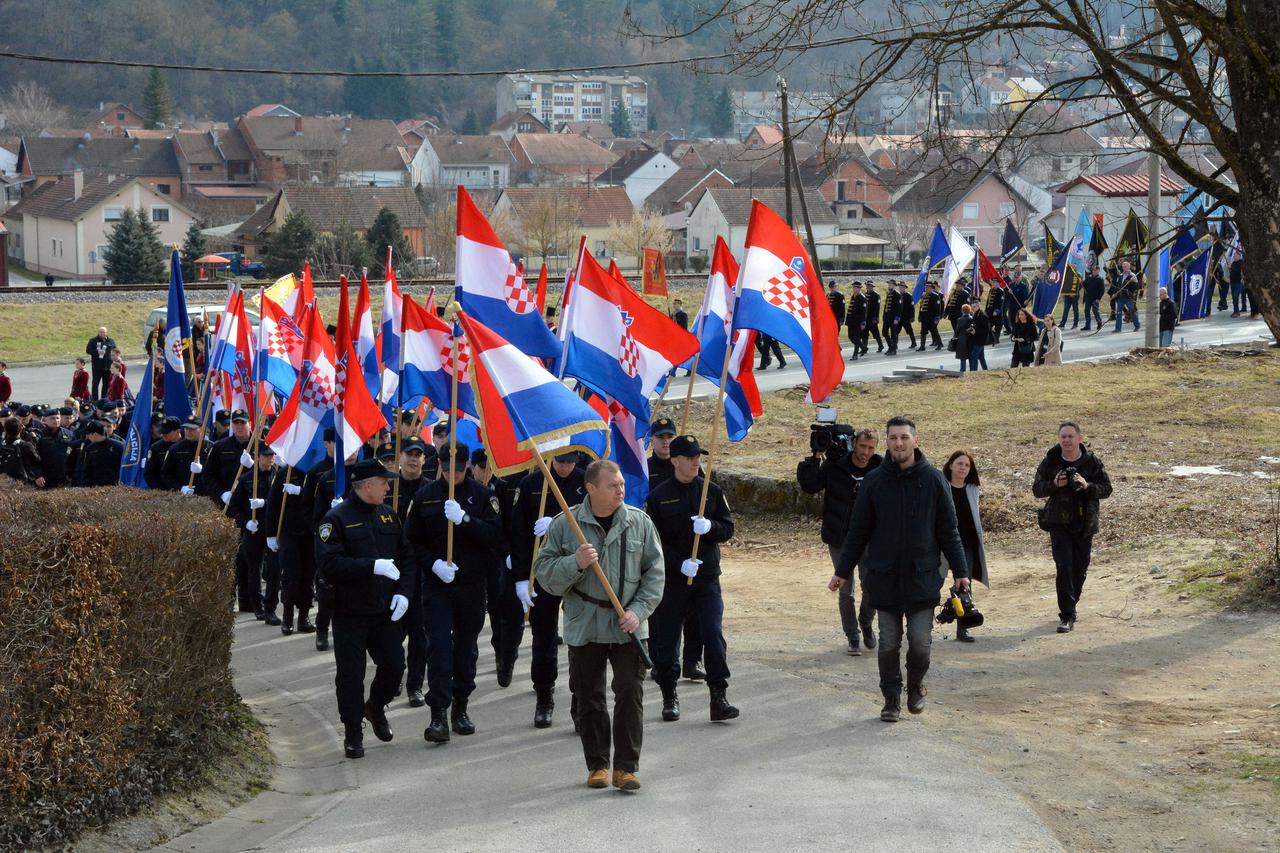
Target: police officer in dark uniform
pixel 54 447
pixel 412 459
pixel 661 433
pixel 152 470
pixel 673 506
pixel 906 313
pixel 362 558
pixel 245 506
pixel 543 607
pixel 100 460
pixel 181 461
pixel 890 317
pixel 290 538
pixel 856 318
pixel 453 595
pixel 506 615
pixel 227 460
pixel 930 315
pixel 319 490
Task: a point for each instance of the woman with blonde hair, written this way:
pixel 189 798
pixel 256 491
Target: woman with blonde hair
pixel 1050 347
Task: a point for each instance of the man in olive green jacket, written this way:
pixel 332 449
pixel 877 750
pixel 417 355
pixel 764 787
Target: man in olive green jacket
pixel 625 542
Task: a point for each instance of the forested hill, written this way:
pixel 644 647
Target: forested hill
pixel 342 34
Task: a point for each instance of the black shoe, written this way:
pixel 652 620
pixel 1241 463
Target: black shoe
pixel 353 741
pixel 438 730
pixel 271 618
pixel 868 637
pixel 416 699
pixel 461 722
pixel 691 671
pixel 963 635
pixel 260 614
pixel 505 669
pixel 892 710
pixel 721 710
pixel 304 624
pixel 852 648
pixel 286 625
pixel 322 641
pixel 1066 626
pixel 377 717
pixel 670 705
pixel 546 704
pixel 915 698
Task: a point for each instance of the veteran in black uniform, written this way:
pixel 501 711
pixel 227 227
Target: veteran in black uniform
pixel 290 537
pixel 543 607
pixel 673 506
pixel 453 592
pixel 246 507
pixel 170 433
pixel 54 447
pixel 228 458
pixel 412 459
pixel 361 556
pixel 181 461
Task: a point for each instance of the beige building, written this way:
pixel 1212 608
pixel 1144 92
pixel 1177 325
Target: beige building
pixel 62 227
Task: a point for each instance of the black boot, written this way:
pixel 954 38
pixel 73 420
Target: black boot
pixel 670 704
pixel 546 704
pixel 322 641
pixel 304 622
pixel 269 617
pixel 892 710
pixel 353 742
pixel 461 722
pixel 692 671
pixel 286 625
pixel 720 707
pixel 506 666
pixel 438 730
pixel 377 717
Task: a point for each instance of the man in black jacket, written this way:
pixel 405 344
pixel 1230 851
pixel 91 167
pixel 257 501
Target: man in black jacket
pixel 290 538
pixel 1073 480
pixel 153 469
pixel 99 464
pixel 361 556
pixel 890 318
pixel 873 318
pixel 1168 318
pixel 930 316
pixel 228 458
pixel 1094 289
pixel 906 314
pixel 692 580
pixel 453 597
pixel 248 499
pixel 99 350
pixel 838 473
pixel 856 318
pixel 903 521
pixel 836 300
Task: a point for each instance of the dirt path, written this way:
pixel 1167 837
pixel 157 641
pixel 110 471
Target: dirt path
pixel 1154 726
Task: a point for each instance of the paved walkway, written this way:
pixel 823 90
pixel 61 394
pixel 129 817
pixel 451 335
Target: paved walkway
pixel 805 767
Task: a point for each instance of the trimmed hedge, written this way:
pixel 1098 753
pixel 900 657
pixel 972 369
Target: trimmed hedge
pixel 115 652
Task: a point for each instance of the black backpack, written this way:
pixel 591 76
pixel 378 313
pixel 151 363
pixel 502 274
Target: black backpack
pixel 11 462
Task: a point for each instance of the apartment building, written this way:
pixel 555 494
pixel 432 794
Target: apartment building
pixel 555 99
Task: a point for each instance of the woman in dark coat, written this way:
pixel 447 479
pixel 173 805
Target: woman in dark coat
pixel 962 339
pixel 961 472
pixel 1024 339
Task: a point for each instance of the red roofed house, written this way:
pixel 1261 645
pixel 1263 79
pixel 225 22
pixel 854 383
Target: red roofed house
pixel 1113 196
pixel 118 116
pixel 559 158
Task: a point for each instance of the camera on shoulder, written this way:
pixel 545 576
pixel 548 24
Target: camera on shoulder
pixel 826 434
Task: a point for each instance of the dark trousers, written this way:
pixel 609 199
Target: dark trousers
pixel 1071 306
pixel 1091 313
pixel 495 604
pixel 853 619
pixel 993 320
pixel 1239 299
pixel 767 345
pixel 101 379
pixel 271 578
pixel 353 638
pixel 415 629
pixel 692 649
pixel 544 624
pixel 929 329
pixel 919 631
pixel 454 618
pixel 702 602
pixel 249 569
pixel 873 329
pixel 588 666
pixel 297 571
pixel 891 331
pixel 911 333
pixel 1071 554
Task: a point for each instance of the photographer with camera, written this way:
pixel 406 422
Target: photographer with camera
pixel 840 459
pixel 1073 480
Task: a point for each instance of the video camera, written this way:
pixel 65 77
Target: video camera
pixel 959 608
pixel 826 433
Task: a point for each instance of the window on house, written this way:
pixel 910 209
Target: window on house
pixel 970 211
pixel 697 244
pixel 163 189
pixel 112 214
pixel 1007 208
pixel 839 190
pixel 497 178
pixel 601 249
pixel 119 116
pixel 971 239
pixel 851 213
pixel 159 214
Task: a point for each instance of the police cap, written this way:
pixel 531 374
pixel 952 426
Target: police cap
pixel 686 445
pixel 664 426
pixel 239 416
pixel 367 469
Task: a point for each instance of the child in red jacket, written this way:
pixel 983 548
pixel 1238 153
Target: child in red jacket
pixel 80 381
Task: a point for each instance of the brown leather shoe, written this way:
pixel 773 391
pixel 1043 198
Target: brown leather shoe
pixel 625 780
pixel 915 698
pixel 598 778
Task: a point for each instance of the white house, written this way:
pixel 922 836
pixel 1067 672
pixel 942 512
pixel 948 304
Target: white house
pixel 724 213
pixel 641 171
pixel 476 162
pixel 1112 196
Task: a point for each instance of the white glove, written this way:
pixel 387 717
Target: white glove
pixel 689 568
pixel 453 511
pixel 540 526
pixel 399 604
pixel 251 525
pixel 386 568
pixel 508 562
pixel 256 503
pixel 291 489
pixel 444 571
pixel 246 461
pixel 273 543
pixel 526 593
pixel 701 526
pixel 187 490
pixel 196 467
pixel 336 502
pixel 226 497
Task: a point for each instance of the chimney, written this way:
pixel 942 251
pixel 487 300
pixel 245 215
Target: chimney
pixel 297 125
pixel 77 184
pixel 346 123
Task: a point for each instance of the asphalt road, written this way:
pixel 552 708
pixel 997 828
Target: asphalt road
pixel 50 384
pixel 804 767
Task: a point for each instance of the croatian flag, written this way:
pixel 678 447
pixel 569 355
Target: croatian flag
pixel 233 356
pixel 367 352
pixel 428 361
pixel 303 294
pixel 177 343
pixel 627 449
pixel 491 289
pixel 279 347
pixel 570 278
pixel 960 259
pixel 297 437
pixel 617 344
pixel 357 416
pixel 714 323
pixel 389 335
pixel 523 408
pixel 779 294
pixel 939 252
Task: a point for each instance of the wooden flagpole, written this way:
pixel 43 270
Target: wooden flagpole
pixel 453 444
pixel 284 499
pixel 711 450
pixel 688 394
pixel 537 540
pixel 259 410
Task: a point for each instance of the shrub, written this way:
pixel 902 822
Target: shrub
pixel 115 648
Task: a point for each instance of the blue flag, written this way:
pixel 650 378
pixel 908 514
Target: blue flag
pixel 177 343
pixel 1051 286
pixel 1196 279
pixel 138 439
pixel 939 251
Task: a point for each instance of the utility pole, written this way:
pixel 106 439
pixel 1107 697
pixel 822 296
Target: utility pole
pixel 789 160
pixel 786 150
pixel 1151 312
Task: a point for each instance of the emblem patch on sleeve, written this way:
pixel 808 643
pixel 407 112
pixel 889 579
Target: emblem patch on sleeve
pixel 326 530
pixel 493 502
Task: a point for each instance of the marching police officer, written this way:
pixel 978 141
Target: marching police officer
pixel 673 506
pixel 361 556
pixel 857 321
pixel 228 458
pixel 170 433
pixel 906 314
pixel 413 454
pixel 543 607
pixel 54 448
pixel 661 433
pixel 247 499
pixel 100 461
pixel 319 490
pixel 290 536
pixel 453 595
pixel 181 461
